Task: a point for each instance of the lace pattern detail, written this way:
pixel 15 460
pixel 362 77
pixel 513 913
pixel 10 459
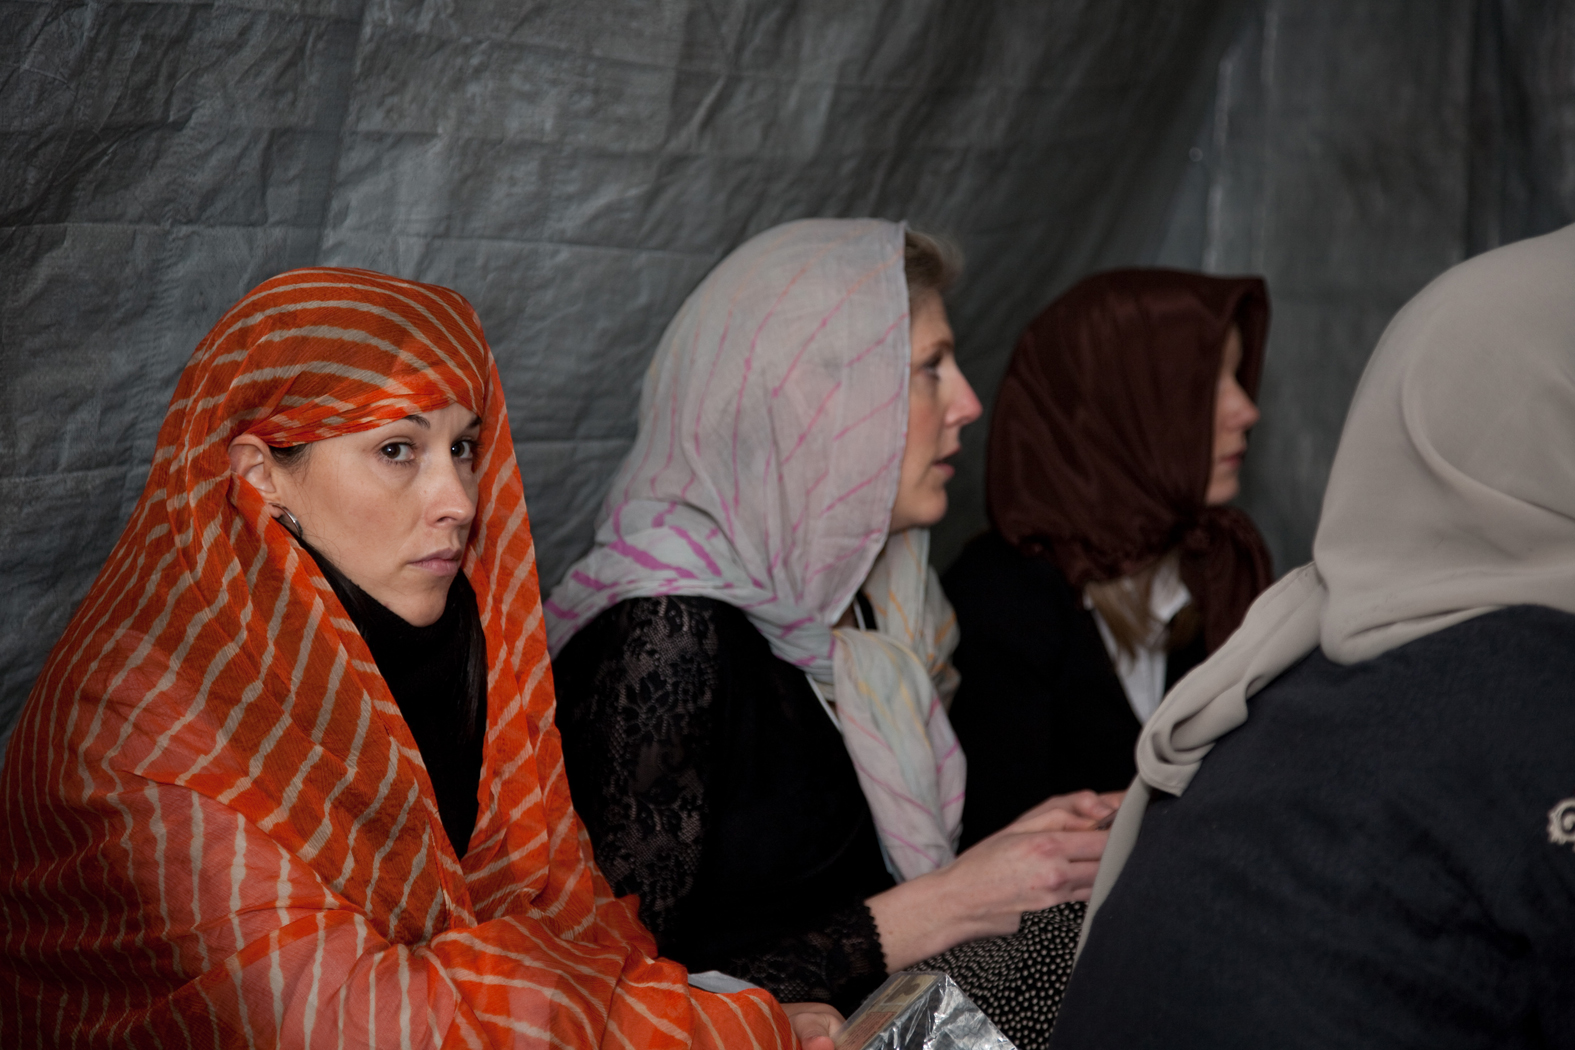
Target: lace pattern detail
pixel 649 720
pixel 842 952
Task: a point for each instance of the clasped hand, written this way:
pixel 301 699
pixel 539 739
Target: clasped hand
pixel 1048 856
pixel 1045 857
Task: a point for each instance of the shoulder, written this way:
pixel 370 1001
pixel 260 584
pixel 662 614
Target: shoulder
pixel 1458 706
pixel 1525 649
pixel 669 631
pixel 661 617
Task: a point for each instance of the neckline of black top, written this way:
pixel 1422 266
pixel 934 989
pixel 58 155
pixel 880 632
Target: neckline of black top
pixel 431 672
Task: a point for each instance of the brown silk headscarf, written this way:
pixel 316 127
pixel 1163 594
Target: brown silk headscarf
pixel 1101 445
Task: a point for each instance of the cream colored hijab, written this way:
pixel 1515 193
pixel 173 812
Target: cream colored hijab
pixel 1452 495
pixel 772 427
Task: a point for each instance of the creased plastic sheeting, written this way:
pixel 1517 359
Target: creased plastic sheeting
pixel 920 1010
pixel 574 168
pixel 1356 150
pixel 155 162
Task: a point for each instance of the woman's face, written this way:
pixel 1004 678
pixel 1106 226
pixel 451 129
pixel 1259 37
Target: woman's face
pixel 1234 415
pixel 390 507
pixel 940 404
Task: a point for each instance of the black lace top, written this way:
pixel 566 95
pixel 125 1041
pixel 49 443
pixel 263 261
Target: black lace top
pixel 714 786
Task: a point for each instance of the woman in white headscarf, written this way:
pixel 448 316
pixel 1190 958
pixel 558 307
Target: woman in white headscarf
pixel 1381 853
pixel 753 661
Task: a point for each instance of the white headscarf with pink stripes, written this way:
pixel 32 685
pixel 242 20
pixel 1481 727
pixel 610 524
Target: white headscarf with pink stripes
pixel 772 427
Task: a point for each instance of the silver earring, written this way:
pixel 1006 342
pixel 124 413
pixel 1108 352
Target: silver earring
pixel 288 520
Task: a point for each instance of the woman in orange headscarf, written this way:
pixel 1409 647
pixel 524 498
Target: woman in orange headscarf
pixel 290 777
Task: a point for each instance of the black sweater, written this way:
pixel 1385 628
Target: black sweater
pixel 438 677
pixel 1041 710
pixel 714 786
pixel 1371 860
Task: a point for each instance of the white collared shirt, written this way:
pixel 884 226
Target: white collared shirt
pixel 1143 674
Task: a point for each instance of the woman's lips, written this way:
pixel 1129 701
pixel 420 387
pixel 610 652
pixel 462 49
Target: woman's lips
pixel 442 563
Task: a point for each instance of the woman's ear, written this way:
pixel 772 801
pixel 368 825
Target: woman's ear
pixel 251 461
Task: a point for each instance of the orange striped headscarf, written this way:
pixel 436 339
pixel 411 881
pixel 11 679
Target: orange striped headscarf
pixel 219 829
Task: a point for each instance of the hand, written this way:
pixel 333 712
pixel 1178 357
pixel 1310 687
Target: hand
pixel 813 1023
pixel 1079 811
pixel 1023 867
pixel 1027 866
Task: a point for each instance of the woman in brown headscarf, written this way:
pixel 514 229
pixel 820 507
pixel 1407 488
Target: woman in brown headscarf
pixel 1113 565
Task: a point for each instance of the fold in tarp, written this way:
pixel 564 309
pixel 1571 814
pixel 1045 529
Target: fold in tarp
pixel 574 168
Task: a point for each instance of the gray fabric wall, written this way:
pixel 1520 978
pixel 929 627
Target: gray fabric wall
pixel 1354 151
pixel 575 168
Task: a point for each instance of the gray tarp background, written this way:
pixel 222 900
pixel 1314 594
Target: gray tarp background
pixel 575 166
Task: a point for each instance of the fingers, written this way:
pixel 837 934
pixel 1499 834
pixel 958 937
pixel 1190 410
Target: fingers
pixel 1071 881
pixel 1012 872
pixel 1048 820
pixel 1096 807
pixel 1068 845
pixel 1067 803
pixel 1037 870
pixel 1014 848
pixel 1113 799
pixel 1064 876
pixel 1056 884
pixel 1081 809
pixel 1080 876
pixel 813 1023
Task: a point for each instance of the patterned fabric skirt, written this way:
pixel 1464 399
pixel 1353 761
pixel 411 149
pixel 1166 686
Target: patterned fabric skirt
pixel 1018 980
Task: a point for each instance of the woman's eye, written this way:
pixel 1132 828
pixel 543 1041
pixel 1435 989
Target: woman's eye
pixel 465 448
pixel 397 452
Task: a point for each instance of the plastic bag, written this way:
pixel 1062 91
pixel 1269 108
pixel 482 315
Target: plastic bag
pixel 920 1010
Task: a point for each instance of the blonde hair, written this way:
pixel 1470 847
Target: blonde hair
pixel 1124 603
pixel 930 264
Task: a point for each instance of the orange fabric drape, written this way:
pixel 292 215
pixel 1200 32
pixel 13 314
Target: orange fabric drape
pixel 218 829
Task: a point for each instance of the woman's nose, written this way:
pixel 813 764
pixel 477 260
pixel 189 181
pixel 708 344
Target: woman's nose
pixel 449 499
pixel 1246 412
pixel 1239 408
pixel 1251 415
pixel 965 407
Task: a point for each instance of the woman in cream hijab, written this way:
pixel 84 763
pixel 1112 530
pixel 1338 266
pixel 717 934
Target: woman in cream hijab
pixel 1382 854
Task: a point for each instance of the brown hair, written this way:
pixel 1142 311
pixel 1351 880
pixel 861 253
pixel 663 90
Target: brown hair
pixel 289 456
pixel 931 264
pixel 1124 603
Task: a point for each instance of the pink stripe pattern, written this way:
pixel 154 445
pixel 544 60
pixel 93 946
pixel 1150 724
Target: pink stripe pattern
pixel 783 380
pixel 794 336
